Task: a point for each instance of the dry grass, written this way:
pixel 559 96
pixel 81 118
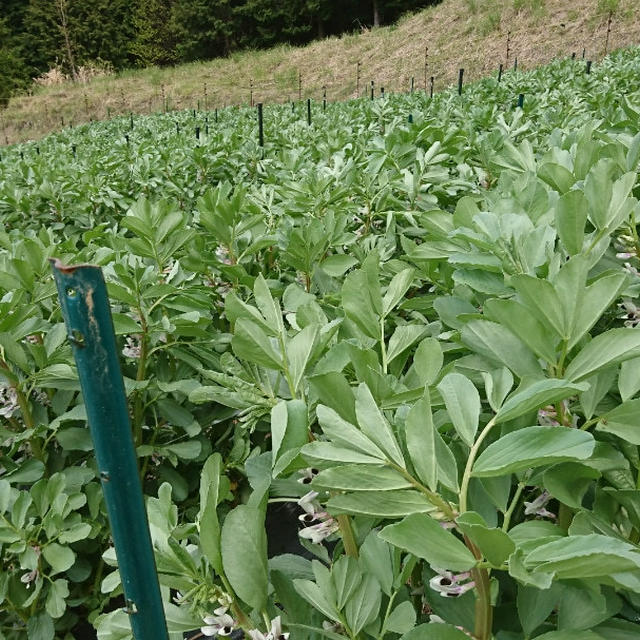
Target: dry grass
pixel 458 33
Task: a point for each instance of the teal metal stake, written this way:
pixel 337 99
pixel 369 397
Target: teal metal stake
pixel 85 307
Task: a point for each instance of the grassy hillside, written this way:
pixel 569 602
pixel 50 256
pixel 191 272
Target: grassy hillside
pixel 458 33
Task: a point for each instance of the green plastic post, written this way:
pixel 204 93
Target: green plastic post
pixel 85 307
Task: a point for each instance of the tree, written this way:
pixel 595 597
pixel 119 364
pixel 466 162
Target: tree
pixel 13 73
pixel 205 28
pixel 154 41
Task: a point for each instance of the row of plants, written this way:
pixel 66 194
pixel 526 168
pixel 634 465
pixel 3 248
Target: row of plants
pixel 417 336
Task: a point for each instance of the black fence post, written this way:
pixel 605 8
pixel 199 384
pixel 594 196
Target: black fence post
pixel 260 126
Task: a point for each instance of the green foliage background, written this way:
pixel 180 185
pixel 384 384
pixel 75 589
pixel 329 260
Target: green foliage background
pixel 159 32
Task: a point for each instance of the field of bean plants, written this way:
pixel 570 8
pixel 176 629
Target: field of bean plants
pixel 382 371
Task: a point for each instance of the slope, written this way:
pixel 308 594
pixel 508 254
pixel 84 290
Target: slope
pixel 473 34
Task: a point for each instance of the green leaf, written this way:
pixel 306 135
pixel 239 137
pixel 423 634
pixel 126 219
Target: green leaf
pixel 344 434
pixel 383 504
pixel 312 593
pixel 361 478
pixel 55 604
pixel 251 343
pixel 334 391
pixel 346 577
pixel 299 351
pixel 207 519
pixel 427 361
pixel 244 554
pixel 325 451
pixel 375 559
pixel 361 298
pixel 623 421
pixel 536 395
pixel 40 627
pixel 557 176
pixel 423 536
pixel 375 426
pixel 569 481
pixel 402 618
pixel 398 286
pixel 584 556
pixel 29 471
pixel 289 427
pixel 499 344
pixel 594 301
pixel 463 405
pixel 497 383
pixel 533 447
pixel 447 465
pixel 598 188
pixel 535 605
pixel 611 347
pixel 75 439
pixel 267 305
pixel 519 320
pixel 542 300
pixel 123 324
pixel 629 378
pixel 571 634
pixel 571 216
pixel 364 604
pixel 337 264
pixel 403 337
pixel 495 545
pixel 60 558
pixel 421 443
pixel 435 631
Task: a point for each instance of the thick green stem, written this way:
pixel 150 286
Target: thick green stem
pixel 138 411
pixel 483 608
pixel 348 538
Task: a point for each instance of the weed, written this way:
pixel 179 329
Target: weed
pixel 608 6
pixel 490 23
pixel 536 7
pixel 472 5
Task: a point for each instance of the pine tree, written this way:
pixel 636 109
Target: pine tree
pixel 205 28
pixel 154 41
pixel 13 73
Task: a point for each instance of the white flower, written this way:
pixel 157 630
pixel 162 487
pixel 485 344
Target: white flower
pixel 28 578
pixel 630 314
pixel 222 253
pixel 451 585
pixel 308 502
pixel 8 401
pixel 219 624
pixel 537 506
pixel 318 532
pixel 275 633
pixel 308 475
pixel 132 347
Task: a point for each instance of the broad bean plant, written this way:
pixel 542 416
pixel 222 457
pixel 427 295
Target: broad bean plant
pixel 418 337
